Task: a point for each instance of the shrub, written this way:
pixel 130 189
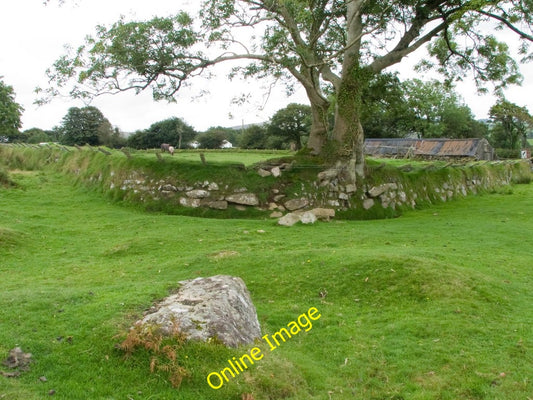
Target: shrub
pixel 507 153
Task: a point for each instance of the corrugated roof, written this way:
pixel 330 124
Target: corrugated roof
pixel 424 147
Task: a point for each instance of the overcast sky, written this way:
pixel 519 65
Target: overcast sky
pixel 32 37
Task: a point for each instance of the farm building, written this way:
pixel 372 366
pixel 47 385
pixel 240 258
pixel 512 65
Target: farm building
pixel 480 149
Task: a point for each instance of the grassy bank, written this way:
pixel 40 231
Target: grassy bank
pixel 139 178
pixel 433 305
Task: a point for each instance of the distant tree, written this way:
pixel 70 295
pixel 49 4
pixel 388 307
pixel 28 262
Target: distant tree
pixel 110 137
pixel 232 135
pixel 84 126
pixel 36 135
pixel 293 123
pixel 173 131
pixel 385 112
pixel 254 137
pixel 436 110
pixel 212 139
pixel 141 140
pixel 511 124
pixel 10 113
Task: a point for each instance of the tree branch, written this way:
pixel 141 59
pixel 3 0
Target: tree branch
pixel 508 24
pixel 400 51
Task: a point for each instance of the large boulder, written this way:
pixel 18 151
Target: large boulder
pixel 218 307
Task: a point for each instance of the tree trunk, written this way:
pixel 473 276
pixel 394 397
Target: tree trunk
pixel 348 131
pixel 319 127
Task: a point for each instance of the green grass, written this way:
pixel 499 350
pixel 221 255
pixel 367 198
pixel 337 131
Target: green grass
pixel 228 156
pixel 435 304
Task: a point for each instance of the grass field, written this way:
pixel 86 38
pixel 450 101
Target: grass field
pixel 433 305
pixel 231 156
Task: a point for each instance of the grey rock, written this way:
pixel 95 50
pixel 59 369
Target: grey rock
pixel 218 205
pixel 168 188
pixel 213 186
pixel 276 172
pixel 308 218
pixel 289 219
pixel 402 197
pixel 323 213
pixel 343 196
pixel 272 206
pixel 296 204
pixel 197 194
pixel 276 214
pixel 368 204
pixel 351 188
pixel 378 190
pixel 207 308
pixel 187 202
pixel 333 203
pixel 246 199
pixel 327 174
pixel 263 172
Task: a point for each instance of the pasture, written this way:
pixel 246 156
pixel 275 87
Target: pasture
pixel 435 304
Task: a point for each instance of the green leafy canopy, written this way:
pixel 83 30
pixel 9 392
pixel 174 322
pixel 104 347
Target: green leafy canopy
pixel 323 45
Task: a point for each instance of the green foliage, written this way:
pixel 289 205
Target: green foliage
pixel 324 45
pixel 507 153
pixel 85 125
pixel 512 123
pixel 10 113
pixel 36 135
pixel 255 137
pixel 173 131
pixel 212 138
pixel 292 123
pixel 435 110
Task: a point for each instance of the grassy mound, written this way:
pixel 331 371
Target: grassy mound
pixel 432 305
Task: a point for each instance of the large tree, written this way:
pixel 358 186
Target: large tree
pixel 173 131
pixel 86 125
pixel 10 113
pixel 339 44
pixel 511 124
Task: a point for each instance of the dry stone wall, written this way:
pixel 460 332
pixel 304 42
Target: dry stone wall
pixel 316 199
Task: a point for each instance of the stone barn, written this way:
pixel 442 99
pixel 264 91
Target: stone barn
pixel 476 148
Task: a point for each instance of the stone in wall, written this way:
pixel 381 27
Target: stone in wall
pixel 197 194
pixel 368 204
pixel 376 191
pixel 351 188
pixel 218 205
pixel 296 204
pixel 188 202
pixel 263 172
pixel 245 199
